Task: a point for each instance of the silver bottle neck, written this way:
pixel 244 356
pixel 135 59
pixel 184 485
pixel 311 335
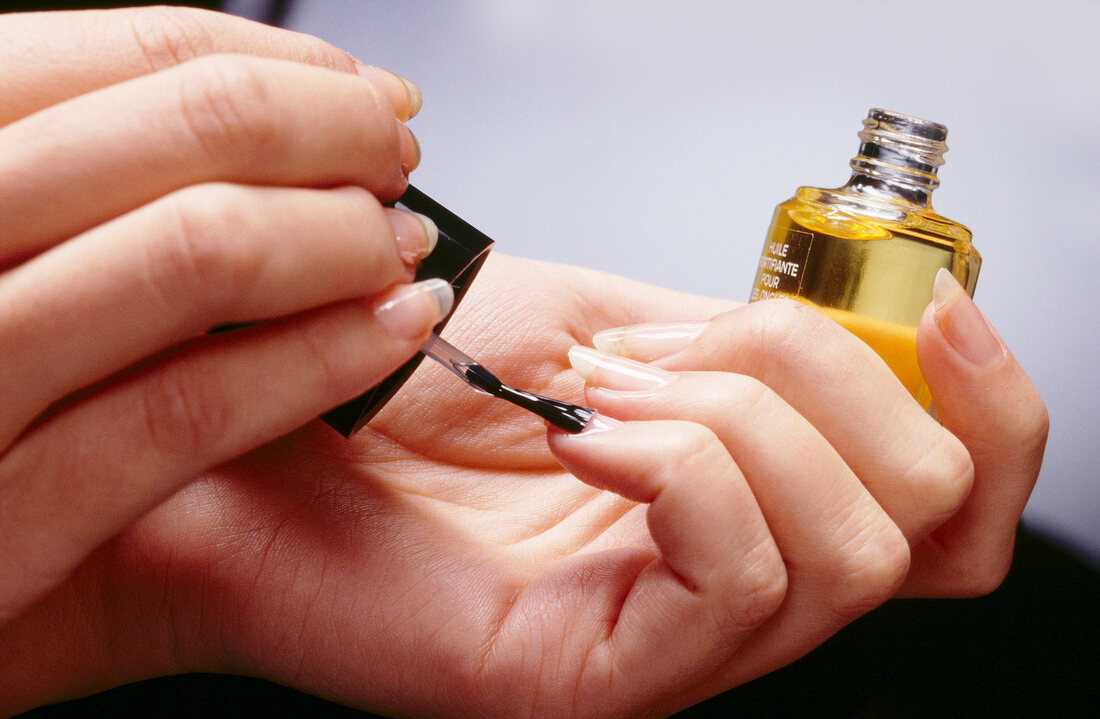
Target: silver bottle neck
pixel 898 157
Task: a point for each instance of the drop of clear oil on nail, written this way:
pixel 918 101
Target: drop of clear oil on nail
pixel 866 254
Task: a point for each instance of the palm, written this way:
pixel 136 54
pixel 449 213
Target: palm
pixel 311 552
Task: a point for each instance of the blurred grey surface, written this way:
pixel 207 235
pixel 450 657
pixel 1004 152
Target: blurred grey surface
pixel 653 140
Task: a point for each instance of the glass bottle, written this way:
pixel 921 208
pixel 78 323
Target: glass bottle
pixel 866 254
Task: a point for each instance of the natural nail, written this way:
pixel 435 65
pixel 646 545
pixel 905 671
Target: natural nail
pixel 649 341
pixel 410 150
pixel 616 373
pixel 410 311
pixel 962 323
pixel 416 98
pixel 415 234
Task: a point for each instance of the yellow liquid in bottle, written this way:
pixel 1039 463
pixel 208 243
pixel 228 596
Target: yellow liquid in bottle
pixel 870 267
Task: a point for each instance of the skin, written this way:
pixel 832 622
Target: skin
pixel 455 558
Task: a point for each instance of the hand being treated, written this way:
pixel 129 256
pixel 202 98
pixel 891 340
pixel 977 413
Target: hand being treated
pixel 164 172
pixel 758 478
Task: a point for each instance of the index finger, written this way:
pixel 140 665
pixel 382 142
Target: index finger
pixel 60 55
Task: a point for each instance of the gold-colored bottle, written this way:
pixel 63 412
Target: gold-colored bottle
pixel 866 254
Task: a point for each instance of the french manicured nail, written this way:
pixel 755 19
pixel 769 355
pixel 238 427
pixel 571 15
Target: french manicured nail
pixel 616 373
pixel 410 149
pixel 962 323
pixel 403 93
pixel 415 234
pixel 410 311
pixel 650 341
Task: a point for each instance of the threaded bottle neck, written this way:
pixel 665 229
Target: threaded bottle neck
pixel 898 157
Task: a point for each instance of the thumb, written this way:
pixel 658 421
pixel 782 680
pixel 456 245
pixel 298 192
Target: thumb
pixel 986 400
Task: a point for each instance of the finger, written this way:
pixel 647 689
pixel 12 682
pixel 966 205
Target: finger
pixel 92 49
pixel 204 256
pixel 984 397
pixel 719 575
pixel 231 118
pixel 843 554
pixel 915 469
pixel 95 465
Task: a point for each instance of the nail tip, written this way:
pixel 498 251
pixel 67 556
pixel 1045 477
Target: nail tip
pixel 580 360
pixel 443 294
pixel 945 288
pixel 607 340
pixel 431 232
pixel 416 97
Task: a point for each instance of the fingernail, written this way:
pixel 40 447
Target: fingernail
pixel 962 323
pixel 416 98
pixel 415 234
pixel 616 373
pixel 649 341
pixel 599 423
pixel 410 311
pixel 410 149
pixel 403 94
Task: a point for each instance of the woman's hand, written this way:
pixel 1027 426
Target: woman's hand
pixel 959 492
pixel 441 563
pixel 162 172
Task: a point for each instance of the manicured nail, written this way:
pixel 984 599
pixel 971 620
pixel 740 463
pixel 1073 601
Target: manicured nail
pixel 962 323
pixel 599 423
pixel 416 235
pixel 650 341
pixel 410 311
pixel 402 93
pixel 410 149
pixel 616 373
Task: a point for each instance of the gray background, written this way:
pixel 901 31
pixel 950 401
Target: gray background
pixel 654 139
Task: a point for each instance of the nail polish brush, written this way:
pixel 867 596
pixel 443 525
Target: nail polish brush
pixel 570 417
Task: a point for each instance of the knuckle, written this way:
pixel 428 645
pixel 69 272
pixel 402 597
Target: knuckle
pixel 759 590
pixel 788 333
pixel 204 256
pixel 312 50
pixel 700 448
pixel 380 255
pixel 744 392
pixel 183 411
pixel 1033 423
pixel 872 568
pixel 225 103
pixel 168 35
pixel 980 568
pixel 984 581
pixel 942 479
pixel 329 377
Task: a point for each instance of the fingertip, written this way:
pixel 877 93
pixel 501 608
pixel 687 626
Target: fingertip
pixel 403 94
pixel 982 394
